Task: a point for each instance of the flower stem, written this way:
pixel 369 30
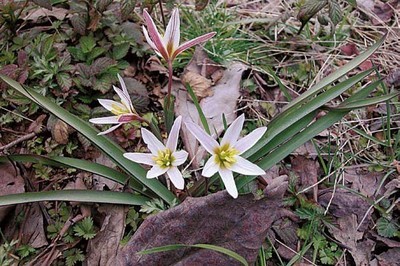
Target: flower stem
pixel 168 104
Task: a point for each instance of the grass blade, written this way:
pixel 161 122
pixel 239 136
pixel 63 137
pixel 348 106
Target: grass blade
pixel 110 148
pixel 222 250
pixel 110 197
pixel 199 110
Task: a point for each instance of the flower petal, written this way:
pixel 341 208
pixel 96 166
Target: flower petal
pixel 110 129
pixel 154 35
pixel 110 104
pixel 191 43
pixel 205 140
pixel 152 142
pixel 172 33
pixel 229 182
pixel 180 157
pixel 125 97
pixel 105 120
pixel 149 41
pixel 245 167
pixel 145 158
pixel 156 171
pixel 172 140
pixel 210 168
pixel 248 141
pixel 233 132
pixel 176 177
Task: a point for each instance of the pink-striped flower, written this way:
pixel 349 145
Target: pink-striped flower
pixel 123 111
pixel 167 46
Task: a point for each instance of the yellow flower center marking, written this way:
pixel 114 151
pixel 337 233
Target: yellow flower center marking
pixel 164 158
pixel 225 155
pixel 118 110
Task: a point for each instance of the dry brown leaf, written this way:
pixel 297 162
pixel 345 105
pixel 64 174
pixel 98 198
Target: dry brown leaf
pixel 389 258
pixel 60 132
pixel 199 84
pixel 100 182
pixel 223 101
pixel 308 171
pixel 36 126
pixel 103 249
pixel 240 225
pixel 10 183
pixel 37 13
pixel 33 232
pixel 363 181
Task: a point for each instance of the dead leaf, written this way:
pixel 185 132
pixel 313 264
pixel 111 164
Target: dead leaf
pixel 308 171
pixel 226 92
pixel 59 130
pixel 349 236
pixel 240 225
pixel 393 79
pixel 33 232
pixel 102 183
pixel 103 249
pixel 38 13
pixel 389 258
pixel 36 126
pixel 363 181
pixel 10 183
pixel 199 84
pixel 349 49
pixel 344 202
pixel 287 232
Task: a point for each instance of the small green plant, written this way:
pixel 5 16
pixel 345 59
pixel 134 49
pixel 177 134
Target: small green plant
pixel 6 253
pixel 85 229
pixel 73 256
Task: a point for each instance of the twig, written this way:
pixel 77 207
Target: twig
pixel 17 141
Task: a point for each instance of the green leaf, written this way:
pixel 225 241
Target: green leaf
pixel 110 197
pixel 85 228
pixel 109 147
pixel 309 9
pixel 199 110
pixel 95 168
pixel 87 43
pixel 222 250
pixel 366 102
pixel 120 51
pixel 387 228
pixel 335 12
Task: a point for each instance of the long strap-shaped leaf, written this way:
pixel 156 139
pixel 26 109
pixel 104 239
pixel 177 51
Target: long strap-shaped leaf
pixel 74 195
pixel 95 168
pixel 110 148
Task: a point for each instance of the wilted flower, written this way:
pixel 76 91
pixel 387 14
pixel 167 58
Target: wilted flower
pixel 167 46
pixel 123 111
pixel 164 159
pixel 225 157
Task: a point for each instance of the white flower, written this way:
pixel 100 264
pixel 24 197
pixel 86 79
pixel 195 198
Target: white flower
pixel 225 157
pixel 164 159
pixel 167 46
pixel 123 111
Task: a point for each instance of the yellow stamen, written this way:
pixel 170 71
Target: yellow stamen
pixel 164 159
pixel 225 155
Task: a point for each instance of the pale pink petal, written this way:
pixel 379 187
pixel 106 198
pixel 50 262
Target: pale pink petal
pixel 176 177
pixel 191 43
pixel 233 132
pixel 210 168
pixel 152 142
pixel 149 41
pixel 125 97
pixel 154 35
pixel 229 182
pixel 105 120
pixel 145 158
pixel 108 104
pixel 156 171
pixel 180 157
pixel 205 140
pixel 248 141
pixel 245 167
pixel 172 33
pixel 172 140
pixel 109 130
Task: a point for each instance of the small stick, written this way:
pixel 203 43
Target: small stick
pixel 17 141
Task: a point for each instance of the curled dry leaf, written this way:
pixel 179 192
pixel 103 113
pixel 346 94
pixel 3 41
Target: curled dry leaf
pixel 36 126
pixel 59 130
pixel 200 85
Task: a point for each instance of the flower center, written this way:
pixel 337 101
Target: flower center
pixel 118 110
pixel 164 158
pixel 225 155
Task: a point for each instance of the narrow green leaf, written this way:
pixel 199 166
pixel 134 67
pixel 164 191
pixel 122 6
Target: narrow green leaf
pixel 222 250
pixel 109 147
pixel 110 197
pixel 366 102
pixel 95 168
pixel 372 138
pixel 343 70
pixel 199 110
